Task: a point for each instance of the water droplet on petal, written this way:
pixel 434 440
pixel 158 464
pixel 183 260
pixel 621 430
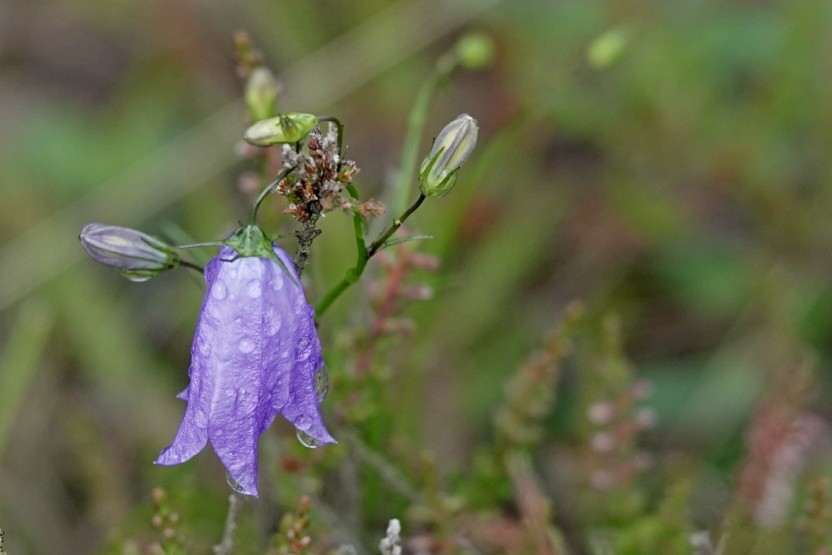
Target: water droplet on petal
pixel 307 441
pixel 302 423
pixel 277 283
pixel 224 353
pixel 272 322
pixel 321 383
pixel 254 289
pixel 246 345
pixel 233 484
pixel 304 349
pixel 218 290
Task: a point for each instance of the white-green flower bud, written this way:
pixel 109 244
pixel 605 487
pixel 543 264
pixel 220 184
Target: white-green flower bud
pixel 608 48
pixel 450 150
pixel 475 51
pixel 136 255
pixel 261 94
pixel 285 128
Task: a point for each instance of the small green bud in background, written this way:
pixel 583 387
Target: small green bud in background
pixel 475 51
pixel 285 128
pixel 136 255
pixel 607 48
pixel 261 94
pixel 450 150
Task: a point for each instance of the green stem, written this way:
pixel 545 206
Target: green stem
pixel 358 228
pixel 364 253
pixel 378 243
pixel 192 266
pixel 355 272
pixel 269 188
pixel 200 245
pixel 415 126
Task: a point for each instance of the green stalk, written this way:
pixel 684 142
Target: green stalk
pixel 415 126
pixel 19 362
pixel 354 273
pixel 265 192
pixel 364 253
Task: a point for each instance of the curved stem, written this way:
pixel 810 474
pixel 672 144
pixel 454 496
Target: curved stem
pixel 192 266
pixel 415 126
pixel 358 228
pixel 364 253
pixel 269 188
pixel 378 243
pixel 354 273
pixel 200 245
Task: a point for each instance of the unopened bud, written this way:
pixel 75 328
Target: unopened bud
pixel 450 150
pixel 136 255
pixel 261 94
pixel 285 128
pixel 475 51
pixel 608 47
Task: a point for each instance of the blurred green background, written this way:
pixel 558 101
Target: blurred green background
pixel 681 180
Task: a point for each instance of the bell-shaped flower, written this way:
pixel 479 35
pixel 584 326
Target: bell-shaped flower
pixel 255 354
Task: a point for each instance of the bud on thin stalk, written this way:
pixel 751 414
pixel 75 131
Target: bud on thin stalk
pixel 450 150
pixel 261 94
pixel 136 255
pixel 284 129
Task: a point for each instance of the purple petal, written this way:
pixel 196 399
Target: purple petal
pixel 255 353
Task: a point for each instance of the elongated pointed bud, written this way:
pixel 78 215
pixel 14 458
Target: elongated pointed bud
pixel 261 94
pixel 450 150
pixel 136 255
pixel 285 128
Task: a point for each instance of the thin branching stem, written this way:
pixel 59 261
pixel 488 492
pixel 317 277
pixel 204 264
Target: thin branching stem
pixel 364 253
pixel 265 192
pixel 415 127
pixel 192 266
pixel 378 243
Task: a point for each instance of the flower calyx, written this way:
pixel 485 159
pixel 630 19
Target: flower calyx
pixel 251 241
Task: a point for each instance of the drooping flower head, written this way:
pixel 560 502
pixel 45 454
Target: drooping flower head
pixel 255 354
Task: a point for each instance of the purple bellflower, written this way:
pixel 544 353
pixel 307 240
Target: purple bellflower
pixel 255 354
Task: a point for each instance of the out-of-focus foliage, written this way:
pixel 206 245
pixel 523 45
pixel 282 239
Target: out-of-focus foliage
pixel 618 341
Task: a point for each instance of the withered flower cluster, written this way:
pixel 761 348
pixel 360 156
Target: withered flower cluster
pixel 319 180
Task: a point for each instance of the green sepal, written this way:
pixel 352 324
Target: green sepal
pixel 251 241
